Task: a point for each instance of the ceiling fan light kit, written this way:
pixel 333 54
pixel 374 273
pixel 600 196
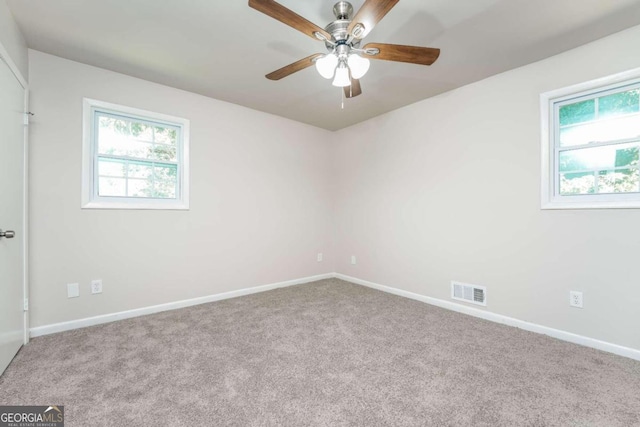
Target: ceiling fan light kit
pixel 326 65
pixel 341 61
pixel 342 76
pixel 358 65
pixel 345 61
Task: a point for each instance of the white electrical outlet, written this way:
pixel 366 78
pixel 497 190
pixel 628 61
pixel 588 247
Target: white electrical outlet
pixel 575 299
pixel 73 290
pixel 353 259
pixel 320 257
pixel 96 286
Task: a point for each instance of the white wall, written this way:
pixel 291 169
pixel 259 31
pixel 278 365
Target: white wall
pixel 260 201
pixel 12 40
pixel 446 189
pixel 449 189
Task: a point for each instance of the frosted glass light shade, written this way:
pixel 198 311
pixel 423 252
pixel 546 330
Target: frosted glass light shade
pixel 342 76
pixel 326 65
pixel 358 65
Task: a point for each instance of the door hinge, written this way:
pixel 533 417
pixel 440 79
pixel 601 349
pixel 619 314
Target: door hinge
pixel 26 304
pixel 26 117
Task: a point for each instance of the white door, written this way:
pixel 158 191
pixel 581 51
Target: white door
pixel 12 152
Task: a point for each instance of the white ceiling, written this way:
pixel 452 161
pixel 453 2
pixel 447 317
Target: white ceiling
pixel 223 49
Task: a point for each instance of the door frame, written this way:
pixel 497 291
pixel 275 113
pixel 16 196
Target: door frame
pixel 5 57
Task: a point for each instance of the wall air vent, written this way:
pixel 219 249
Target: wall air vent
pixel 469 293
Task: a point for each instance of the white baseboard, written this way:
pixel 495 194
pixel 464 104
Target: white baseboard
pixel 112 317
pixel 472 311
pixel 498 318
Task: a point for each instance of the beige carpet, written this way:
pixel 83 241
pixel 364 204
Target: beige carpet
pixel 326 353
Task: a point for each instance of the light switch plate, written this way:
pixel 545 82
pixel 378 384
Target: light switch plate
pixel 73 290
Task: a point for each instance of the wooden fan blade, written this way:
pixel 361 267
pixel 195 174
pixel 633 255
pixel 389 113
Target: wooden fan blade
pixel 371 12
pixel 293 68
pixel 402 53
pixel 354 89
pixel 287 16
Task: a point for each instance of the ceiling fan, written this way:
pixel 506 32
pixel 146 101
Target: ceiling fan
pixel 346 62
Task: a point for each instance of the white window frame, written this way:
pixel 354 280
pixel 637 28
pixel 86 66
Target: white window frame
pixel 90 197
pixel 550 199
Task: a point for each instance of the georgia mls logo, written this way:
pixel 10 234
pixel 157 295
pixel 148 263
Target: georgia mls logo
pixel 59 416
pixel 32 416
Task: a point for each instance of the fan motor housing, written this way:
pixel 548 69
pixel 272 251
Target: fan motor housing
pixel 338 28
pixel 338 31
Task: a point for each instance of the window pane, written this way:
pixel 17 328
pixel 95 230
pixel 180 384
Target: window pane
pixel 165 135
pixel 140 188
pixel 105 122
pixel 627 155
pixel 577 183
pixel 113 142
pixel 611 129
pixel 166 178
pixel 132 138
pixel 140 170
pixel 599 158
pixel 619 181
pixel 141 131
pixel 121 127
pixel 111 167
pixel 109 187
pixel 165 153
pixel 619 103
pixel 577 113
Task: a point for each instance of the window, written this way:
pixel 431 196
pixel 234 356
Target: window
pixel 134 159
pixel 591 144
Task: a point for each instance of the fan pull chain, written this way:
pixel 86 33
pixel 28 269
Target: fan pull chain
pixel 342 92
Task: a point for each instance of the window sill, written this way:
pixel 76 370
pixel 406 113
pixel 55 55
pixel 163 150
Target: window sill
pixel 555 205
pixel 136 206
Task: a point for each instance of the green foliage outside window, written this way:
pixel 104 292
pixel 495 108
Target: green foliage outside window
pixel 138 159
pixel 607 168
